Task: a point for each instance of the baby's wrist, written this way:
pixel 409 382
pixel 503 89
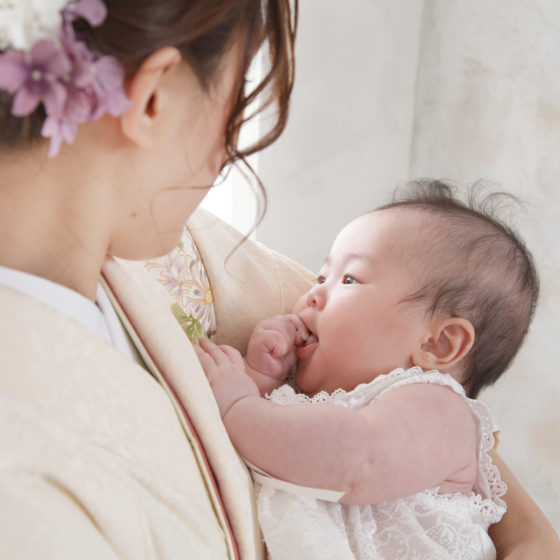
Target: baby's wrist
pixel 265 382
pixel 252 371
pixel 224 411
pixel 228 392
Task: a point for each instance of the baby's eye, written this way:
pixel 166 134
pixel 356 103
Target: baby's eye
pixel 347 279
pixel 321 279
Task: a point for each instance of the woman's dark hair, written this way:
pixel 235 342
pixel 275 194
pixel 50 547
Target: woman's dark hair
pixel 202 30
pixel 478 269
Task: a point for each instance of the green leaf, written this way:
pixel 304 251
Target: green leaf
pixel 190 324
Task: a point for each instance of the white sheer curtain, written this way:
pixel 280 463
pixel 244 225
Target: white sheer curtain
pixel 233 200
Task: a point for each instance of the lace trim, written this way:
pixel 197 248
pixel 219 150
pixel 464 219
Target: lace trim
pixel 288 395
pixel 497 486
pixel 285 394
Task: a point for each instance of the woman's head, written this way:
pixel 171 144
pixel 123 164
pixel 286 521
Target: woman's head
pixel 203 31
pixel 184 64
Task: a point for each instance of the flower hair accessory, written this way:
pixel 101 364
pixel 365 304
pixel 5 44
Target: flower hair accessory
pixel 45 61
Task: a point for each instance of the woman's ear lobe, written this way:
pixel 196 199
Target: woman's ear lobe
pixel 143 90
pixel 449 341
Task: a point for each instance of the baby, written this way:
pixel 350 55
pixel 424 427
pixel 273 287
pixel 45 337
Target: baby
pixel 383 451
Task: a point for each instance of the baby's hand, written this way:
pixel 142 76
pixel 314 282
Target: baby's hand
pixel 272 346
pixel 225 369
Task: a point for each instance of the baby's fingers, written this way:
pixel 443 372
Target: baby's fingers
pixel 225 371
pixel 233 354
pixel 206 360
pixel 219 360
pixel 277 344
pixel 301 333
pixel 216 353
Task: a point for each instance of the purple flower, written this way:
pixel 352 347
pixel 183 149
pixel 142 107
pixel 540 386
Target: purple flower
pixel 93 11
pixel 108 78
pixel 59 130
pixel 63 126
pixel 35 78
pixel 80 56
pixel 102 78
pixel 74 83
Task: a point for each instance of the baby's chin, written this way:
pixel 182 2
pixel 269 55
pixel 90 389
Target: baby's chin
pixel 305 382
pixel 302 380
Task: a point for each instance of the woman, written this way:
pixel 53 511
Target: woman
pixel 111 445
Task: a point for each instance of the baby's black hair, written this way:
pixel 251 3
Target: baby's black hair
pixel 481 271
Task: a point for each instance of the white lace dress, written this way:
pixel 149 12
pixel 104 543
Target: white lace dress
pixel 426 525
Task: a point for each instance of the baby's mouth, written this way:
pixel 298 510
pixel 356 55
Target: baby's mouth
pixel 311 339
pixel 308 346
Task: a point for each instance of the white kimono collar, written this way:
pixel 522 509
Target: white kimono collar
pixel 100 318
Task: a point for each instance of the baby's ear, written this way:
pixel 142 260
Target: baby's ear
pixel 446 344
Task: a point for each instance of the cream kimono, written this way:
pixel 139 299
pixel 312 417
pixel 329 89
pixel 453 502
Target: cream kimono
pixel 101 459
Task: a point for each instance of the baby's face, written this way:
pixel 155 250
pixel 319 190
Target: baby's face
pixel 362 327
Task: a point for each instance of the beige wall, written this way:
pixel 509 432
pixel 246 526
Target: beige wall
pixel 386 91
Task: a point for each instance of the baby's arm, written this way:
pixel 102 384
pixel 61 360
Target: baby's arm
pixel 271 353
pixel 412 439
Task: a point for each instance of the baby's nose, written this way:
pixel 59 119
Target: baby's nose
pixel 315 297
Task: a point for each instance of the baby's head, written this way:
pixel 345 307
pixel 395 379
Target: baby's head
pixel 426 280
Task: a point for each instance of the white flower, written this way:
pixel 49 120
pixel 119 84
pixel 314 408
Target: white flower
pixel 23 22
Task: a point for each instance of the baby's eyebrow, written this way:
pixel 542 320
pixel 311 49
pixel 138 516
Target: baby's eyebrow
pixel 352 257
pixel 361 257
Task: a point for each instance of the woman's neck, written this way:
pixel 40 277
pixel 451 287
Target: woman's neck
pixel 49 227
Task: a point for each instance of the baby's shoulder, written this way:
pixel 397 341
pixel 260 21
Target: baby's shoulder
pixel 435 414
pixel 445 420
pixel 434 403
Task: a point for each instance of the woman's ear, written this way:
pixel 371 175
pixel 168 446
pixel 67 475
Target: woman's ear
pixel 448 342
pixel 144 92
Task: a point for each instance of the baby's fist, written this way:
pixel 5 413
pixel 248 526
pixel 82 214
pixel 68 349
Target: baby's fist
pixel 272 345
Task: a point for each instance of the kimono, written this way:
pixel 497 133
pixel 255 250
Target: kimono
pixel 103 458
